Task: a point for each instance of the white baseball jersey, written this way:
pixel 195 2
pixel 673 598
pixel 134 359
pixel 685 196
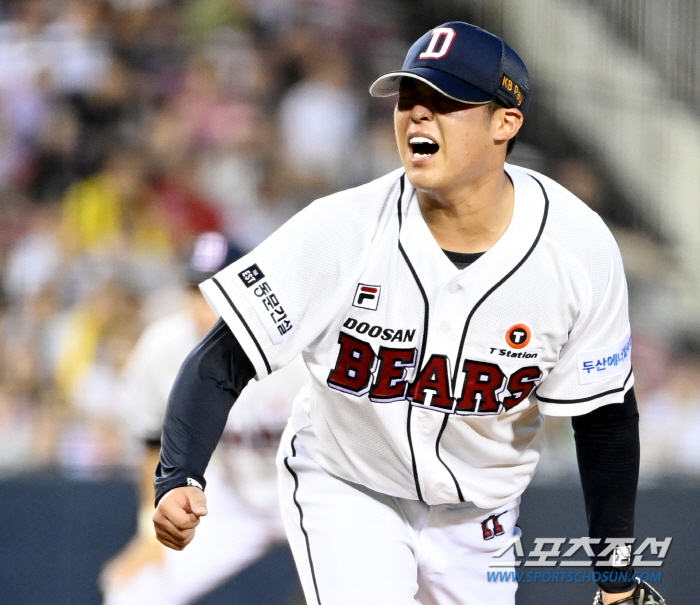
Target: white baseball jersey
pixel 428 382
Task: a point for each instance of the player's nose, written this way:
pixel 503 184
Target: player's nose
pixel 421 111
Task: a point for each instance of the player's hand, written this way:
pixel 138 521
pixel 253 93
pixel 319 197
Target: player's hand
pixel 178 515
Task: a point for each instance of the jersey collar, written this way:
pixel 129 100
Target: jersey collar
pixel 432 265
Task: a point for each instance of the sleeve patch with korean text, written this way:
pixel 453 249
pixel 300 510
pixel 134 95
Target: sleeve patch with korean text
pixel 265 297
pixel 610 361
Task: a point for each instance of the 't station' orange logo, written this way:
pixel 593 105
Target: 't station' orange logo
pixel 518 336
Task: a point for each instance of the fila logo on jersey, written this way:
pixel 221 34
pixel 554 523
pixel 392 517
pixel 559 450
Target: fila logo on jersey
pixel 367 297
pixel 518 336
pixel 383 376
pixel 446 35
pixel 496 528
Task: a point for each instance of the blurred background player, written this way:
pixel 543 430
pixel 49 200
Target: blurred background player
pixel 241 478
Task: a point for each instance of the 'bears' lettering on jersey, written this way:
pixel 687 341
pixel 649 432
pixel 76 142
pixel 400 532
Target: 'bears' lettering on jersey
pixel 359 370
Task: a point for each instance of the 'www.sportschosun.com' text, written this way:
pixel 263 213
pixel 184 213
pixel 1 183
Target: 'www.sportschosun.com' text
pixel 570 577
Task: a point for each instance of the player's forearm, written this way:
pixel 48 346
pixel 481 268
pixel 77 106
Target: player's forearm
pixel 607 446
pixel 208 384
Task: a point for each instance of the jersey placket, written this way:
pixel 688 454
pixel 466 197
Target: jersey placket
pixel 448 310
pixel 452 302
pixel 440 483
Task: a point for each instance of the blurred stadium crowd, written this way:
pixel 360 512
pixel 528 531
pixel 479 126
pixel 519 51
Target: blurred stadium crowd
pixel 127 127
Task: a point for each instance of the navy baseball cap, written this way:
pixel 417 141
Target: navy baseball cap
pixel 465 63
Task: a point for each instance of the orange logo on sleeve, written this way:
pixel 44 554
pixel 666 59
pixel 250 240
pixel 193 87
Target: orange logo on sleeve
pixel 518 337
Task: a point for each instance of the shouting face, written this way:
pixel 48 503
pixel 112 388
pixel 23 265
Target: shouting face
pixel 446 144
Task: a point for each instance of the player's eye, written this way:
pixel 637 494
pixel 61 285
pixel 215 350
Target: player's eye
pixel 406 101
pixel 446 105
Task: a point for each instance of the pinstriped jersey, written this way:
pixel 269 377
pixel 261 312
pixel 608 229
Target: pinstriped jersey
pixel 430 382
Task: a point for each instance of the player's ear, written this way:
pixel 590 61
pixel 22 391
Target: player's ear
pixel 506 123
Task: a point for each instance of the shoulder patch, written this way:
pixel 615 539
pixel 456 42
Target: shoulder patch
pixel 269 303
pixel 610 361
pixel 251 276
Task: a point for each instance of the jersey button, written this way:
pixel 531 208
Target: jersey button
pixel 454 288
pixel 425 423
pixel 445 327
pixel 438 487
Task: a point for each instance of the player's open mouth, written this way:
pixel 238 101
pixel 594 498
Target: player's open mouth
pixel 422 147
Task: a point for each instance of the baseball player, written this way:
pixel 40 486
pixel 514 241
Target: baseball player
pixel 242 477
pixel 441 310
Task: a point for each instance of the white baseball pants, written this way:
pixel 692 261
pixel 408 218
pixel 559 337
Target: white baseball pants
pixel 353 545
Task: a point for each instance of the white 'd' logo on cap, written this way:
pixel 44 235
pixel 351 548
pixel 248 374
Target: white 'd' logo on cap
pixel 447 35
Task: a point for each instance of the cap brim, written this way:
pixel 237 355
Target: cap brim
pixel 447 84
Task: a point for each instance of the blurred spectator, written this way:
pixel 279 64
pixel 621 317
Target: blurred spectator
pixel 92 342
pixel 104 115
pixel 275 206
pixel 75 47
pixel 35 260
pixel 55 161
pixel 92 334
pixel 32 413
pixel 670 417
pixel 20 385
pixel 111 211
pixel 226 131
pixel 21 60
pixel 580 177
pixel 188 213
pixel 14 156
pixel 320 118
pixel 379 151
pixel 649 264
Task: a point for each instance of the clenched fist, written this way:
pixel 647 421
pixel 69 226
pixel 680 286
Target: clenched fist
pixel 178 515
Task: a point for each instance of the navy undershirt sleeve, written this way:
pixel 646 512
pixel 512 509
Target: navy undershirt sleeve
pixel 607 448
pixel 208 384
